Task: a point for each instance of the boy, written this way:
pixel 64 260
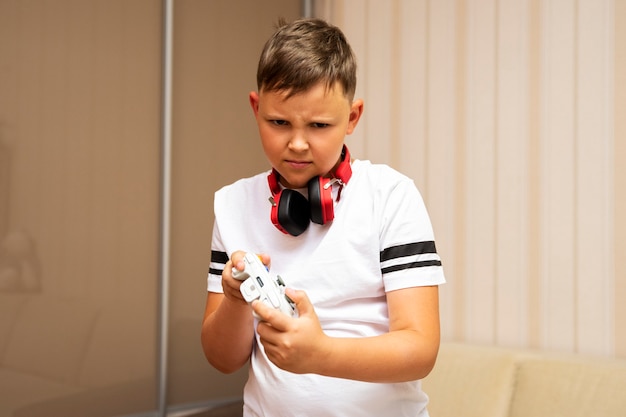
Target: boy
pixel 365 269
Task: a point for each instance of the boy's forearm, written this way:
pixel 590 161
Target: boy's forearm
pixel 227 336
pixel 397 356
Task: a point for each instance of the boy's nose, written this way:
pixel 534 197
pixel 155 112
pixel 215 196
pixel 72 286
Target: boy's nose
pixel 298 141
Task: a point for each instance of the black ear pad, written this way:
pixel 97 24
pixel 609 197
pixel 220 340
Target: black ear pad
pixel 320 200
pixel 315 200
pixel 293 212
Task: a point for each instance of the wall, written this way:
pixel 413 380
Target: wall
pixel 619 166
pixel 505 113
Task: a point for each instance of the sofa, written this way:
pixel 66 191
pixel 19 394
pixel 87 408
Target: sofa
pixel 482 381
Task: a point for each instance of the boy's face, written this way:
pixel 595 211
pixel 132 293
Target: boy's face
pixel 303 135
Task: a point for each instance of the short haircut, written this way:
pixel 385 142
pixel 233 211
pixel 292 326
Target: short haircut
pixel 303 53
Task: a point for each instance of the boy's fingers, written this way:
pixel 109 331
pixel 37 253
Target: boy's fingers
pixel 276 318
pixel 303 304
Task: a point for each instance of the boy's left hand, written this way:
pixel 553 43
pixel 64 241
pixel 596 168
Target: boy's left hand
pixel 292 344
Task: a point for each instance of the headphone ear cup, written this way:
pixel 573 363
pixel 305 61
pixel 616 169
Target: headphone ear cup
pixel 321 200
pixel 291 212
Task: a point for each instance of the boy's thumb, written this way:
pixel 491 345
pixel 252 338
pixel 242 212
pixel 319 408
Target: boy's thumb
pixel 300 299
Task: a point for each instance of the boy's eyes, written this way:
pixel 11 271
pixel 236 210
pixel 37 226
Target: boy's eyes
pixel 286 123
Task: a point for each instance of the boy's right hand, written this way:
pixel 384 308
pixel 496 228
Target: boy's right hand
pixel 230 284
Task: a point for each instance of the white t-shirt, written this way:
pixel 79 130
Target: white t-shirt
pixel 380 240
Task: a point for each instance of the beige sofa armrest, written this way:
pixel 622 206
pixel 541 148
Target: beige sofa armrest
pixel 570 386
pixel 471 381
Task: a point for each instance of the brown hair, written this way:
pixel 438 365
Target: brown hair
pixel 301 54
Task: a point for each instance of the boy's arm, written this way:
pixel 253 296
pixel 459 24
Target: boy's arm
pixel 228 326
pixel 407 352
pixel 227 333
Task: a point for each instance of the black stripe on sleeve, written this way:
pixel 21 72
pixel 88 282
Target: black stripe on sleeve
pixel 218 260
pixel 219 257
pixel 410 249
pixel 410 265
pixel 215 271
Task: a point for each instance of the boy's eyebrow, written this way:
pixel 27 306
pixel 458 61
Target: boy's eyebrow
pixel 326 118
pixel 274 114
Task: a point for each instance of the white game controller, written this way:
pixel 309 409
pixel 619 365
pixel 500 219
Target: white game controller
pixel 258 285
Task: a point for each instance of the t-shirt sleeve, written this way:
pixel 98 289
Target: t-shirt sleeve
pixel 408 255
pixel 219 257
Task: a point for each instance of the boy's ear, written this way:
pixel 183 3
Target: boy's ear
pixel 254 102
pixel 356 110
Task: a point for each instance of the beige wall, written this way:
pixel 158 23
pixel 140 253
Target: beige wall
pixel 619 166
pixel 507 115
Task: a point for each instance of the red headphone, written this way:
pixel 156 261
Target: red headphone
pixel 292 212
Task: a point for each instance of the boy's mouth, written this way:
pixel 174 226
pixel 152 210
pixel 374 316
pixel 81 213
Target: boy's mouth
pixel 298 164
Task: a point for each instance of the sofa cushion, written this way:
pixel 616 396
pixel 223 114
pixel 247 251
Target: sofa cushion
pixel 570 387
pixel 471 381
